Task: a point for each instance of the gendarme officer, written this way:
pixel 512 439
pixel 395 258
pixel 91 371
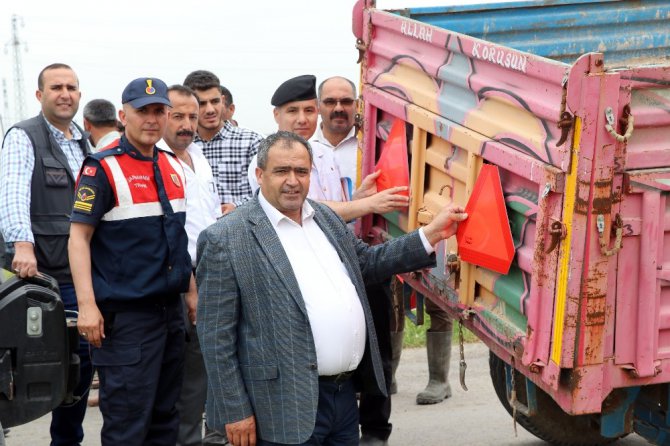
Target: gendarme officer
pixel 129 261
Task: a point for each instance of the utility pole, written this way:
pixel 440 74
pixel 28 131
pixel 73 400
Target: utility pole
pixel 5 105
pixel 16 45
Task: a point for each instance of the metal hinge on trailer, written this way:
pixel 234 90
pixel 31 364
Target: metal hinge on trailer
pixel 566 120
pixel 558 231
pixel 603 238
pixel 626 119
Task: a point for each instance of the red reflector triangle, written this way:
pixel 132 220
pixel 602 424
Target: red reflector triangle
pixel 393 161
pixel 485 238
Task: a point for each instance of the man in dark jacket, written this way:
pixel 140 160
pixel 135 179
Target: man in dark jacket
pixel 39 162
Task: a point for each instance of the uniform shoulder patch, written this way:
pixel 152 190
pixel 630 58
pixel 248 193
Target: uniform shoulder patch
pixel 85 198
pixel 89 171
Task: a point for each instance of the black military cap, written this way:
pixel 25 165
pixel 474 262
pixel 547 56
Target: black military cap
pixel 300 88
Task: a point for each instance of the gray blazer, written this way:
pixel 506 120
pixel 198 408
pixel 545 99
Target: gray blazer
pixel 252 322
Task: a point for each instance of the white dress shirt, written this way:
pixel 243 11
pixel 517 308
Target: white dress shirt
pixel 346 158
pixel 107 140
pixel 333 306
pixel 324 180
pixel 202 198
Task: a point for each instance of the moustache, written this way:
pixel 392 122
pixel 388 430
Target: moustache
pixel 287 190
pixel 338 114
pixel 185 133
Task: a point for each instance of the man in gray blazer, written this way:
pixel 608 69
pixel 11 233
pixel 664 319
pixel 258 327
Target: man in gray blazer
pixel 284 323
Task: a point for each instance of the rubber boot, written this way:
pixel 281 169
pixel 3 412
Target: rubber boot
pixel 396 351
pixel 438 347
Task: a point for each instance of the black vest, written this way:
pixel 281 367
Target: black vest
pixel 52 197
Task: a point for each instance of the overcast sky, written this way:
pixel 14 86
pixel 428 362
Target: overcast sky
pixel 253 45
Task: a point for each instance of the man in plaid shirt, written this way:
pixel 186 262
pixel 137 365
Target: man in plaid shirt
pixel 39 163
pixel 228 149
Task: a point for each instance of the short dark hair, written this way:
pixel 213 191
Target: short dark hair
pixel 227 95
pixel 202 80
pixel 285 139
pixel 100 113
pixel 53 66
pixel 353 86
pixel 182 89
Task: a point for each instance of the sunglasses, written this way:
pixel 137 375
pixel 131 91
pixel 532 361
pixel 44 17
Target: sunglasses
pixel 332 102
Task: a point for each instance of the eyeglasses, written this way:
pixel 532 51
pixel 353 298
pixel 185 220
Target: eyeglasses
pixel 332 102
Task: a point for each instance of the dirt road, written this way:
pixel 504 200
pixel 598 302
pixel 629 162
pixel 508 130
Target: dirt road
pixel 466 419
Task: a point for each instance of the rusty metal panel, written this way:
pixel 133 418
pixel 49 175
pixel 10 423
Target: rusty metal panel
pixel 627 32
pixel 649 104
pixel 643 286
pixel 575 186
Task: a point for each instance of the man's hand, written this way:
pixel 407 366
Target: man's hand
pixel 368 186
pixel 90 323
pixel 388 200
pixel 191 299
pixel 24 262
pixel 227 208
pixel 243 432
pixel 444 224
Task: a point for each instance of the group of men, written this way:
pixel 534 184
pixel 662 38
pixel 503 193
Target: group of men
pixel 262 314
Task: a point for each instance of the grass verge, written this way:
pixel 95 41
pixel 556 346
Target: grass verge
pixel 415 335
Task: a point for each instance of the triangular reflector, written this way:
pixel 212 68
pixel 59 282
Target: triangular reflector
pixel 393 161
pixel 485 238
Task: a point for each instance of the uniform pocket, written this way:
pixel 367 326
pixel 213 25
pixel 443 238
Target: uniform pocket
pixel 51 251
pixel 121 378
pixel 55 174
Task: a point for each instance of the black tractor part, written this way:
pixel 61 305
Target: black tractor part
pixel 38 364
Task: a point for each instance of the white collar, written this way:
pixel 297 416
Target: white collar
pixel 275 216
pixel 320 138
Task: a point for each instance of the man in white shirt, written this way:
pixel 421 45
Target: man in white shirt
pixel 202 210
pixel 100 122
pixel 282 313
pixel 337 131
pixel 296 110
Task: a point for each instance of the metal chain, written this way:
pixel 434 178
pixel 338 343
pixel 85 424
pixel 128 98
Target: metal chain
pixel 462 364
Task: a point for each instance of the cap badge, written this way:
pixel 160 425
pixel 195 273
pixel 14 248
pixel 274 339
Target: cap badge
pixel 150 89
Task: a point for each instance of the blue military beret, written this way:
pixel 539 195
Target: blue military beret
pixel 300 88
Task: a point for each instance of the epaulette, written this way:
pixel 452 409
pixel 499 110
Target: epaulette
pixel 107 151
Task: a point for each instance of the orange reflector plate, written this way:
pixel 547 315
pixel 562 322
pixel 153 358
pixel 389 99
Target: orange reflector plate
pixel 393 161
pixel 485 238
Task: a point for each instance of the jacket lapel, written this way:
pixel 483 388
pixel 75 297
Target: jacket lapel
pixel 271 245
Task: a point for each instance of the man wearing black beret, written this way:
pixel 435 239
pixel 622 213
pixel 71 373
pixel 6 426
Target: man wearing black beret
pixel 295 110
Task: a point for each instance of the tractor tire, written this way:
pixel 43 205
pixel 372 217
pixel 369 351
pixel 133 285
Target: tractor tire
pixel 551 423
